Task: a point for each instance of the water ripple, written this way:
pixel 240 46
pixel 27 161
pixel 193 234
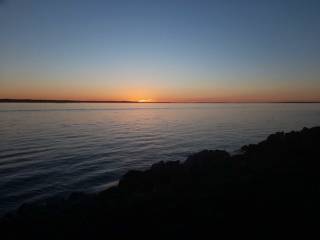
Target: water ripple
pixel 51 150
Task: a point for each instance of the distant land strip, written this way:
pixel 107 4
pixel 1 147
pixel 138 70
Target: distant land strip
pixel 108 101
pixel 58 101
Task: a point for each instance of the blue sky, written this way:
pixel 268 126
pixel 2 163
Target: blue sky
pixel 179 50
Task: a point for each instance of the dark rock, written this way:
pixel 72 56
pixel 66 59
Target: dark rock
pixel 206 158
pixel 272 186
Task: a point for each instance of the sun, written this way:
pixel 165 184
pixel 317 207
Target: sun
pixel 144 100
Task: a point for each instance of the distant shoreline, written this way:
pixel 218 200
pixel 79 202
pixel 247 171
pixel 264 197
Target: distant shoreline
pixel 89 101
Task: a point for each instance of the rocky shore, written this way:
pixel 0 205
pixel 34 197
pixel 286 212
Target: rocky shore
pixel 270 186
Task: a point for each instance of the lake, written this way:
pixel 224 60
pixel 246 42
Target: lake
pixel 49 150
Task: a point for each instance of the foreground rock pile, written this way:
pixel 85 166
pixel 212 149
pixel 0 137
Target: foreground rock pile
pixel 270 186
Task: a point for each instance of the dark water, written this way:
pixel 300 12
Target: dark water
pixel 50 150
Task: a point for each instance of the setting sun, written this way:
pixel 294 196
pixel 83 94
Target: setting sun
pixel 144 100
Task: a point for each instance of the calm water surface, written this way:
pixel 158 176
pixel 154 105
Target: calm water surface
pixel 49 150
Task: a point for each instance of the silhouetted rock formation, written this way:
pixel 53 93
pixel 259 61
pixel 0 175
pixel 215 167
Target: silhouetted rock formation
pixel 273 185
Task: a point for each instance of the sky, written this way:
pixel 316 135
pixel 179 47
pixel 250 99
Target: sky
pixel 166 50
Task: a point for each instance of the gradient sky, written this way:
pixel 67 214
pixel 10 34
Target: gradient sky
pixel 166 50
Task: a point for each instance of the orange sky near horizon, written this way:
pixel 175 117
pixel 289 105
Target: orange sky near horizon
pixel 162 93
pixel 157 85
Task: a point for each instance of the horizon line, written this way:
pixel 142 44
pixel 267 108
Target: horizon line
pixel 14 100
